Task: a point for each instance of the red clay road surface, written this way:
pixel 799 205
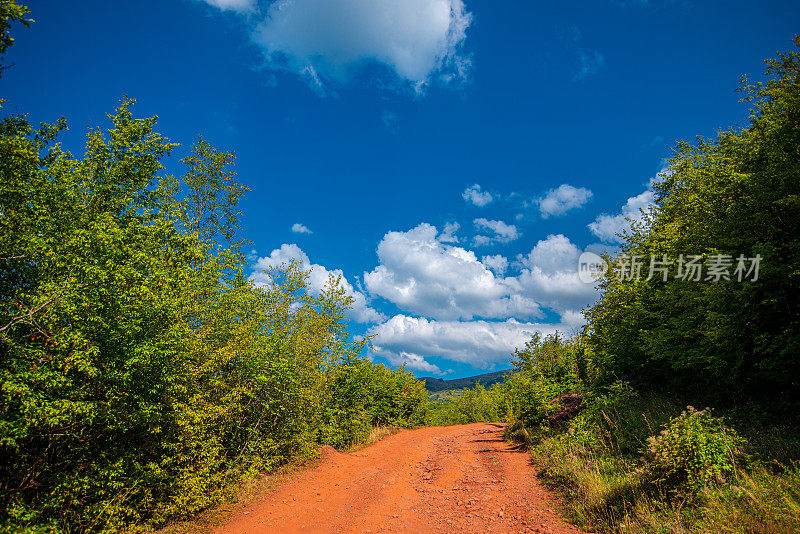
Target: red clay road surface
pixel 455 479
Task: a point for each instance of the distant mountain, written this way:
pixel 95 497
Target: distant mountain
pixel 435 385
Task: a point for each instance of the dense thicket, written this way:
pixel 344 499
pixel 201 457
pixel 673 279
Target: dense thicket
pixel 738 194
pixel 141 374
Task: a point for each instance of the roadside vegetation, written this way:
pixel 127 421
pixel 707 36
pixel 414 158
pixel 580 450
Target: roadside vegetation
pixel 142 376
pixel 676 410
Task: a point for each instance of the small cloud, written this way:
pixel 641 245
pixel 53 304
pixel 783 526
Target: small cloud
pixel 239 6
pixel 610 227
pixel 390 121
pixel 474 195
pixel 412 361
pixel 560 200
pixel 589 63
pixel 503 233
pixel 448 233
pixel 298 228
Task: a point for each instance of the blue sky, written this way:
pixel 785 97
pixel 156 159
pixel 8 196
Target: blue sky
pixel 450 158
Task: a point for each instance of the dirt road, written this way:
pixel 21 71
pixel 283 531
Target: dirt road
pixel 433 480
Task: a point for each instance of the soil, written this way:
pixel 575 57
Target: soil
pixel 456 479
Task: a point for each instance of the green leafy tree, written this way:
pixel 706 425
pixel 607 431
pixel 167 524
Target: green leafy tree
pixel 10 12
pixel 141 374
pixel 736 195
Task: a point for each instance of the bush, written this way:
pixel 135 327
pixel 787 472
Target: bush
pixel 142 376
pixel 473 405
pixel 695 451
pixel 362 395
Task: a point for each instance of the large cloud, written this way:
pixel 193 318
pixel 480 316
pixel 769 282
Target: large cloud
pixel 549 276
pixel 471 311
pixel 422 275
pixel 331 39
pixel 478 343
pixel 360 312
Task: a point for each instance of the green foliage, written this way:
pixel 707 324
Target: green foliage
pixel 10 12
pixel 141 375
pixel 635 462
pixel 695 451
pixel 610 420
pixel 544 369
pixel 472 405
pixel 737 194
pixel 361 395
pixel 760 501
pixel 692 476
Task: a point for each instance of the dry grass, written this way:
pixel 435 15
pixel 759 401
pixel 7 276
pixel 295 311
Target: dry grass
pixel 375 435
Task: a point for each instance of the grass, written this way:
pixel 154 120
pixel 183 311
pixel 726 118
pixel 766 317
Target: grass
pixel 375 435
pixel 598 468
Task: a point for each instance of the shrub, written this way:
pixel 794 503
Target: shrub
pixel 695 451
pixel 472 405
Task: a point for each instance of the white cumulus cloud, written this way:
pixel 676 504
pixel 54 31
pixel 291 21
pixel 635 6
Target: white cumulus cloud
pixel 361 311
pixel 420 274
pixel 477 343
pixel 556 253
pixel 560 200
pixel 448 234
pixel 502 232
pixel 609 227
pixel 549 276
pixel 331 40
pixel 299 228
pixel 475 196
pixel 412 361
